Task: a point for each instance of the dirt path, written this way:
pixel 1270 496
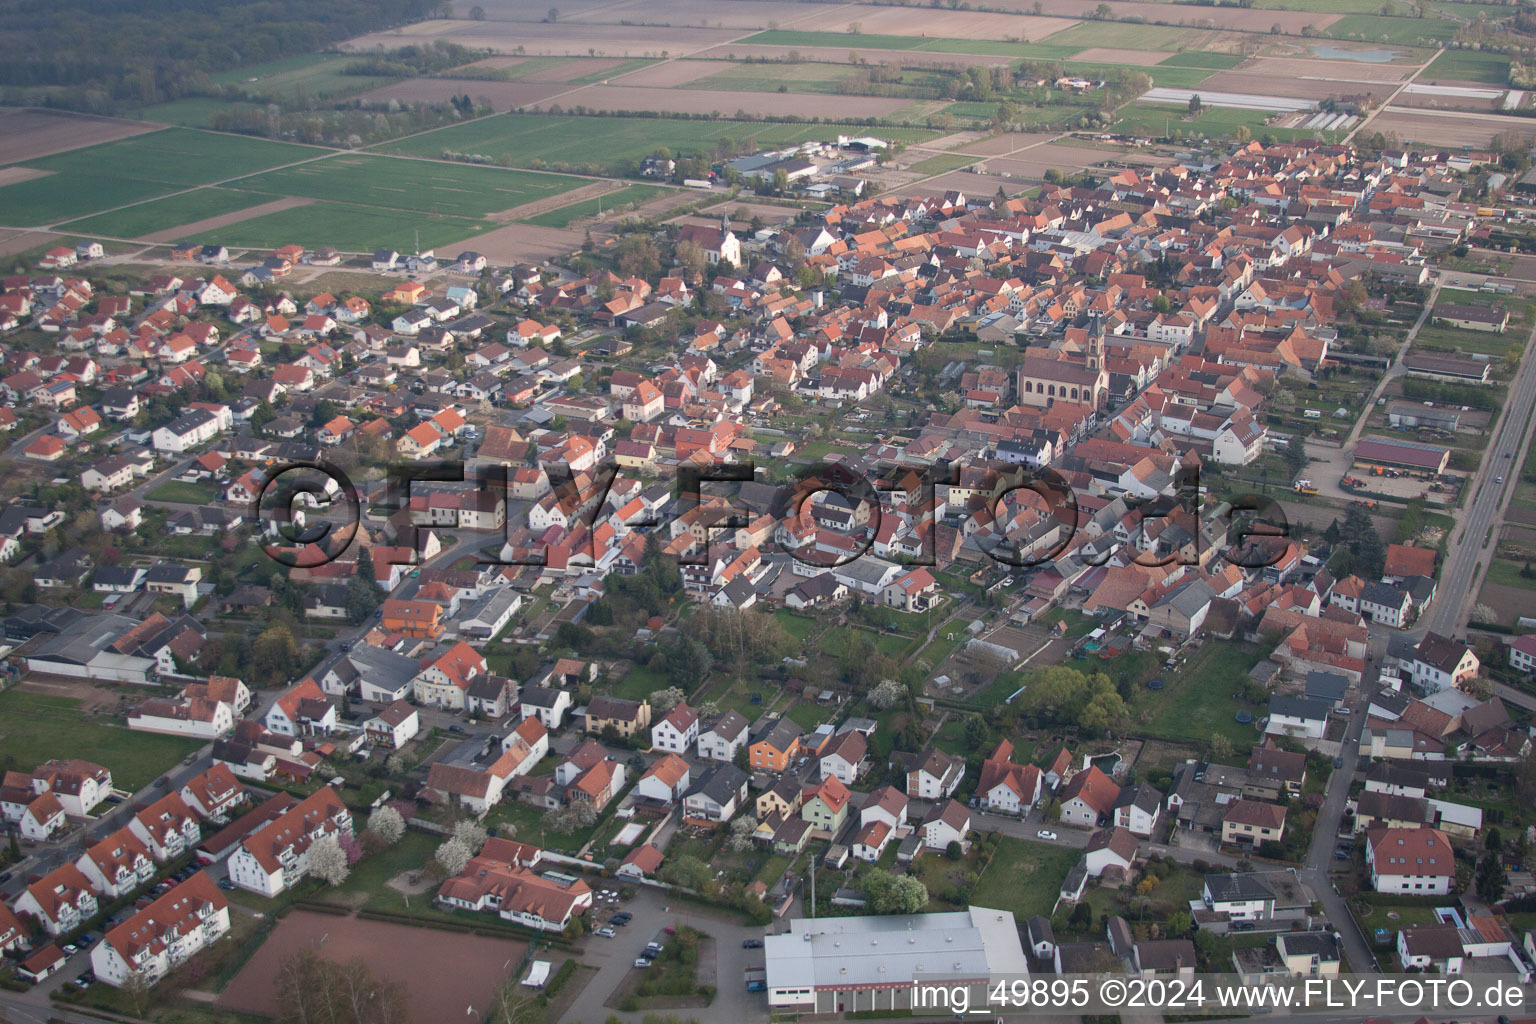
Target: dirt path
pixel 176 234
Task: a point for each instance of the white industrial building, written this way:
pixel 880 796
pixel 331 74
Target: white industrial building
pixel 862 964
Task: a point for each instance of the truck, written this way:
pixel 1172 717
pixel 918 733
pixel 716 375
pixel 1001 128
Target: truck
pixel 757 979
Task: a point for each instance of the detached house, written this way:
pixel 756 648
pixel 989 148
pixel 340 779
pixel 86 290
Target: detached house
pixel 1415 861
pixel 677 731
pixel 1089 798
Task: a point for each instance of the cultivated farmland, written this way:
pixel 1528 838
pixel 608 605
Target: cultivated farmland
pixel 138 168
pixel 529 139
pixel 30 134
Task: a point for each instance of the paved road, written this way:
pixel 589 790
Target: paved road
pixel 1320 857
pixel 1467 559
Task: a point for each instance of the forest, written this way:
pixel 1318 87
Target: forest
pixel 105 56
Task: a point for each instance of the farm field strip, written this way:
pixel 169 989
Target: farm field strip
pixel 1238 101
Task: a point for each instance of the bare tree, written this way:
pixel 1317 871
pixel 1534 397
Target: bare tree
pixel 139 989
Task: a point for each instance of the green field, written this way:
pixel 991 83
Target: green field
pixel 1025 877
pixel 1468 66
pixel 347 227
pixel 35 728
pixel 160 214
pixel 1197 702
pixel 817 78
pixel 315 76
pixel 1398 31
pixel 1207 59
pixel 192 112
pixel 132 170
pixel 1124 36
pixel 863 41
pixel 622 69
pixel 943 162
pixel 453 190
pixel 563 217
pixel 1166 76
pixel 1216 122
pixel 525 140
pixel 181 491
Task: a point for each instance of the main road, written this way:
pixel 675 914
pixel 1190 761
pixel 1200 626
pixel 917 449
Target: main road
pixel 1467 556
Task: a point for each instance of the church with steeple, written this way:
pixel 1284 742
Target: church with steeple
pixel 719 244
pixel 1073 370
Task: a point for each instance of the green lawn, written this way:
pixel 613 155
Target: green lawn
pixel 1507 573
pixel 191 494
pixel 35 728
pixel 1025 877
pixel 624 197
pixel 1197 699
pixel 142 167
pixel 797 626
pixel 808 715
pixel 641 682
pixel 366 885
pixel 554 140
pixel 1469 66
pixel 193 112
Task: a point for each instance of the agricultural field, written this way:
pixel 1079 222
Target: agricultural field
pixel 531 140
pixel 452 190
pixel 1448 128
pixel 161 214
pixel 1468 66
pixel 566 215
pixel 30 134
pixel 1399 31
pixel 135 169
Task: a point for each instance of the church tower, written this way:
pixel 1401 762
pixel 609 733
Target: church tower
pixel 1095 354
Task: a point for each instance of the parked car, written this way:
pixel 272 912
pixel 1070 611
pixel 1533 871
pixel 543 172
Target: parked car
pixel 162 782
pixel 1045 834
pixel 642 962
pixel 70 949
pixel 1338 762
pixel 752 944
pixel 606 933
pixel 456 728
pixel 621 919
pixel 87 939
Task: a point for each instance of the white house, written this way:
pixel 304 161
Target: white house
pixel 665 781
pixel 276 856
pixel 938 775
pixel 163 935
pixel 1414 861
pixel 168 827
pixel 393 727
pixel 118 864
pixel 204 719
pixel 546 703
pixel 946 823
pixel 677 731
pixel 724 736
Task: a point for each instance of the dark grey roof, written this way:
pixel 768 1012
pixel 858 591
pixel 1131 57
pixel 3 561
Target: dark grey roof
pixel 1224 888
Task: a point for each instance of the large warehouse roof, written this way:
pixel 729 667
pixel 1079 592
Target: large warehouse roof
pixel 864 952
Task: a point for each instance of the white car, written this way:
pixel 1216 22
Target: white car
pixel 1045 834
pixel 642 963
pixel 606 933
